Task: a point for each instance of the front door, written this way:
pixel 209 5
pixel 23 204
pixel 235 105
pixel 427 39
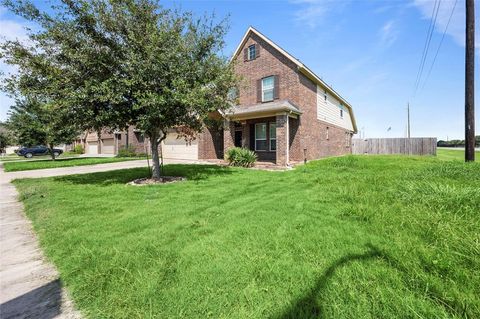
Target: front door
pixel 238 138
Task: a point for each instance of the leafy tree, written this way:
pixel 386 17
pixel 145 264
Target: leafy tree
pixel 457 143
pixel 126 62
pixel 37 123
pixel 6 138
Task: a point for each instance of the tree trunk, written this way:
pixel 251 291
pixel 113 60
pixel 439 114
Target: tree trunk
pixel 51 152
pixel 156 169
pixel 157 159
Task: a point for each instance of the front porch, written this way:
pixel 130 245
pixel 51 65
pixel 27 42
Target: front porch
pixel 263 128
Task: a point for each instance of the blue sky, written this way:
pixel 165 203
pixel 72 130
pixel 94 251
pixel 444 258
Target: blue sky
pixel 368 50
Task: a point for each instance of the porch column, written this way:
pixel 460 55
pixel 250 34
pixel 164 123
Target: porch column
pixel 246 136
pixel 228 135
pixel 282 153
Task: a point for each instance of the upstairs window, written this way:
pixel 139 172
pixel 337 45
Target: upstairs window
pixel 232 94
pixel 325 96
pixel 252 52
pixel 341 112
pixel 268 86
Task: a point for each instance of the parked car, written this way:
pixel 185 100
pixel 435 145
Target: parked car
pixel 38 150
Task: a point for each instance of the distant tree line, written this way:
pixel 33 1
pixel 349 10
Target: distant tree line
pixel 457 143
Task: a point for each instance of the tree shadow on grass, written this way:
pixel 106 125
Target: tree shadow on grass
pixel 190 171
pixel 307 306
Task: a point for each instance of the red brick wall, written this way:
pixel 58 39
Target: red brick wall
pixel 210 143
pixel 134 140
pixel 307 134
pixel 270 62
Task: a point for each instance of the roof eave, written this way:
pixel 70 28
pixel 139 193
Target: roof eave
pixel 301 67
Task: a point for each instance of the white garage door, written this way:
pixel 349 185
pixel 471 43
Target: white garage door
pixel 177 148
pixel 92 148
pixel 108 146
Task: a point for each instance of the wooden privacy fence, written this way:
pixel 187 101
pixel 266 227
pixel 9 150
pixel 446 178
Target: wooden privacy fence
pixel 406 146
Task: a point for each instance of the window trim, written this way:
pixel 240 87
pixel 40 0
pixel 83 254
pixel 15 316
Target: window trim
pixel 261 139
pixel 249 56
pixel 326 135
pixel 270 137
pixel 273 89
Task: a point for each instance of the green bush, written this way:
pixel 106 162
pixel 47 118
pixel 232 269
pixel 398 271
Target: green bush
pixel 243 157
pixel 127 151
pixel 78 149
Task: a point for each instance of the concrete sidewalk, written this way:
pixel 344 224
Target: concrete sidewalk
pixel 29 284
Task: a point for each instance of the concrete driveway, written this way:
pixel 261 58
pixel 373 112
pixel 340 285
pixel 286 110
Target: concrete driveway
pixel 30 285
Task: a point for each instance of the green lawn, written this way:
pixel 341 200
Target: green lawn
pixel 451 154
pixel 66 162
pixel 347 237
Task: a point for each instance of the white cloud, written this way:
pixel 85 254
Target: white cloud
pixel 456 29
pixel 312 12
pixel 388 33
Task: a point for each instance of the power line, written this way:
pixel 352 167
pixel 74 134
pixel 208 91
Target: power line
pixel 431 28
pixel 425 44
pixel 440 45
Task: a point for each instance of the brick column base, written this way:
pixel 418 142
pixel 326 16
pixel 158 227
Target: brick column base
pixel 282 156
pixel 228 136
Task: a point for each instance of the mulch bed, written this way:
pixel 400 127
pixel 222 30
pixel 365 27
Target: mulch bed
pixel 155 181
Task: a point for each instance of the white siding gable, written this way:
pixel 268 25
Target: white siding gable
pixel 329 110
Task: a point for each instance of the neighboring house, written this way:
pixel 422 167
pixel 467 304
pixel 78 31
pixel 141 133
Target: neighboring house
pixel 111 142
pixel 207 145
pixel 285 113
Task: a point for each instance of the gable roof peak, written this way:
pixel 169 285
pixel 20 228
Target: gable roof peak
pixel 300 66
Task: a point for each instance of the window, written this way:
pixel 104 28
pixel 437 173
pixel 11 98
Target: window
pixel 341 112
pixel 325 95
pixel 268 85
pixel 232 94
pixel 140 137
pixel 326 134
pixel 261 137
pixel 252 52
pixel 273 136
pixel 347 139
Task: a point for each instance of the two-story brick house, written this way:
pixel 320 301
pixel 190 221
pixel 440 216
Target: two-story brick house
pixel 285 113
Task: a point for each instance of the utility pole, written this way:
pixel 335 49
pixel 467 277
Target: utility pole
pixel 408 119
pixel 469 82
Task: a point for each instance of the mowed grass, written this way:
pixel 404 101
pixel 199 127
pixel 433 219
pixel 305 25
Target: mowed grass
pixel 451 154
pixel 347 237
pixel 59 162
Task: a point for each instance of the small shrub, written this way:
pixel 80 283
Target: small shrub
pixel 243 157
pixel 78 149
pixel 127 151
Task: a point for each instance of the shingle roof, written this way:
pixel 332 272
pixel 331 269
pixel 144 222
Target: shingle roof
pixel 262 108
